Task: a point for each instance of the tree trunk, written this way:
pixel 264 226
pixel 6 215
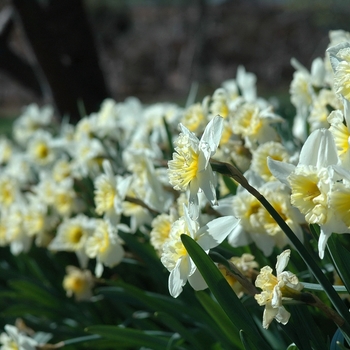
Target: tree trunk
pixel 61 38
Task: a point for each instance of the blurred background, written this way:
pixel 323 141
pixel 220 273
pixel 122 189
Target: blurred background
pixel 86 50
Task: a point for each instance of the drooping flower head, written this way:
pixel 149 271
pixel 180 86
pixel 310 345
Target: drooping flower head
pixel 285 285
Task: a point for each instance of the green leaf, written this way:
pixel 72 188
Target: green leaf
pixel 132 337
pixel 244 340
pixel 177 327
pixel 224 294
pixel 149 257
pixel 154 302
pixel 318 287
pixel 292 347
pixel 219 316
pixel 303 330
pixel 84 339
pixel 340 256
pixel 33 291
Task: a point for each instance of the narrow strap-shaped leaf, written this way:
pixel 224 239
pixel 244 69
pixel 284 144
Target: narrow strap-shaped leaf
pixel 132 337
pixel 224 294
pixel 337 341
pixel 318 287
pixel 176 326
pixel 340 257
pixel 244 340
pixel 219 316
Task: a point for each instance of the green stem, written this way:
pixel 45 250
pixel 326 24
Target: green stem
pixel 229 170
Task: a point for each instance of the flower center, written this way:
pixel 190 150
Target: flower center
pixel 75 234
pixel 308 198
pixel 173 249
pixel 41 150
pixel 104 195
pixel 184 165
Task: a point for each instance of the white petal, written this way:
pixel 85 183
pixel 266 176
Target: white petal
pixel 190 223
pixel 280 170
pixel 322 241
pixel 254 179
pixel 197 281
pixel 225 206
pixel 178 276
pixel 276 300
pixel 282 261
pixel 113 255
pixel 193 202
pixel 192 137
pixel 98 269
pixel 282 315
pixel 212 133
pixel 335 117
pixel 106 165
pixel 264 242
pixel 206 182
pixel 319 149
pixel 333 51
pixel 215 231
pixel 239 237
pixel 269 315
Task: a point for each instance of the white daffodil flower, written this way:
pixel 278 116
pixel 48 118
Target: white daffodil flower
pixel 340 129
pixel 175 257
pixel 14 339
pixel 190 168
pixel 110 191
pixel 275 289
pixel 311 183
pixel 256 224
pixel 339 56
pixel 104 245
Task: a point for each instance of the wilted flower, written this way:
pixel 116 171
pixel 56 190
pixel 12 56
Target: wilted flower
pixel 276 289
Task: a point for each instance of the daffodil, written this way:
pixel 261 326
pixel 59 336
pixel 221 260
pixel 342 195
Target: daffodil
pixel 110 191
pixel 78 283
pixel 340 60
pixel 72 235
pixel 340 129
pixel 272 149
pixel 276 289
pixel 302 93
pixel 190 168
pixel 161 226
pixel 256 224
pixel 311 183
pixel 105 245
pixel 175 257
pixel 13 339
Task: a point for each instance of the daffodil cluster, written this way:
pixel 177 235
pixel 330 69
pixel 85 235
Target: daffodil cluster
pixel 146 170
